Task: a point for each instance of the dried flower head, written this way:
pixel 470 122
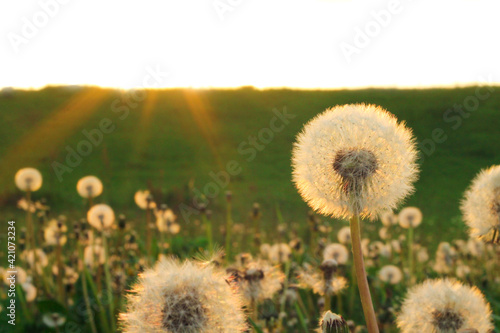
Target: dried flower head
pixel 410 217
pixel 55 233
pixel 165 221
pixel 481 205
pixel 183 297
pixel 101 216
pixel 89 187
pixel 354 159
pixel 332 323
pixel 322 282
pixel 444 306
pixel 144 200
pixel 28 179
pixel 390 274
pixel 280 253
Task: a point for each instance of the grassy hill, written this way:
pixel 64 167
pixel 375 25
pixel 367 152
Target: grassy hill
pixel 172 140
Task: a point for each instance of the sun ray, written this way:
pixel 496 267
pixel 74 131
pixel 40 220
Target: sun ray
pixel 200 110
pixel 51 133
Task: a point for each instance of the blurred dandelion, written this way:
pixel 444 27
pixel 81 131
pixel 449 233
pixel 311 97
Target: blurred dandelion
pixel 337 252
pixel 28 179
pixel 101 217
pixel 444 306
pixel 183 297
pixel 89 187
pixel 332 323
pixel 390 274
pixel 481 205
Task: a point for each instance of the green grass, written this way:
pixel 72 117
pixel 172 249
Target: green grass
pixel 177 146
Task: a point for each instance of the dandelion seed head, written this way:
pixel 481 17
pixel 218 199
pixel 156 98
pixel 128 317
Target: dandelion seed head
pixel 481 205
pixel 444 306
pixel 331 322
pixel 354 159
pixel 185 297
pixel 388 218
pixel 390 274
pixel 410 217
pixel 344 235
pixel 30 291
pixel 101 216
pixel 144 200
pixel 337 252
pixel 89 187
pixel 28 179
pixel 280 253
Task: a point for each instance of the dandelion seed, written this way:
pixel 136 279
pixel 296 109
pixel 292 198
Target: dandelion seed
pixel 444 306
pixel 28 179
pixel 184 297
pixel 354 159
pixel 481 205
pixel 89 187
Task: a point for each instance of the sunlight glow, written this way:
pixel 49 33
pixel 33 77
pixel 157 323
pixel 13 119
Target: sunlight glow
pixel 231 43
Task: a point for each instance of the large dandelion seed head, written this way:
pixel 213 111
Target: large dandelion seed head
pixel 444 306
pixel 183 298
pixel 354 159
pixel 101 216
pixel 481 205
pixel 28 179
pixel 89 187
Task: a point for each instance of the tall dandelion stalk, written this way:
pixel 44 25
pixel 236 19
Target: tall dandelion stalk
pixel 102 218
pixel 353 162
pixel 30 180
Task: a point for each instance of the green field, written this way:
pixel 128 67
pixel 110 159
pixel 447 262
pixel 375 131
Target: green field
pixel 171 140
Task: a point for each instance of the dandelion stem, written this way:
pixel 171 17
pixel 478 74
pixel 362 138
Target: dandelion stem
pixel 31 235
pixel 148 231
pixel 86 298
pixel 208 227
pixel 229 227
pixel 60 272
pixel 108 283
pixel 364 289
pixel 410 253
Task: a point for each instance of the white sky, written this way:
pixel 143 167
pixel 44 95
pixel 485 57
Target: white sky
pixel 264 43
